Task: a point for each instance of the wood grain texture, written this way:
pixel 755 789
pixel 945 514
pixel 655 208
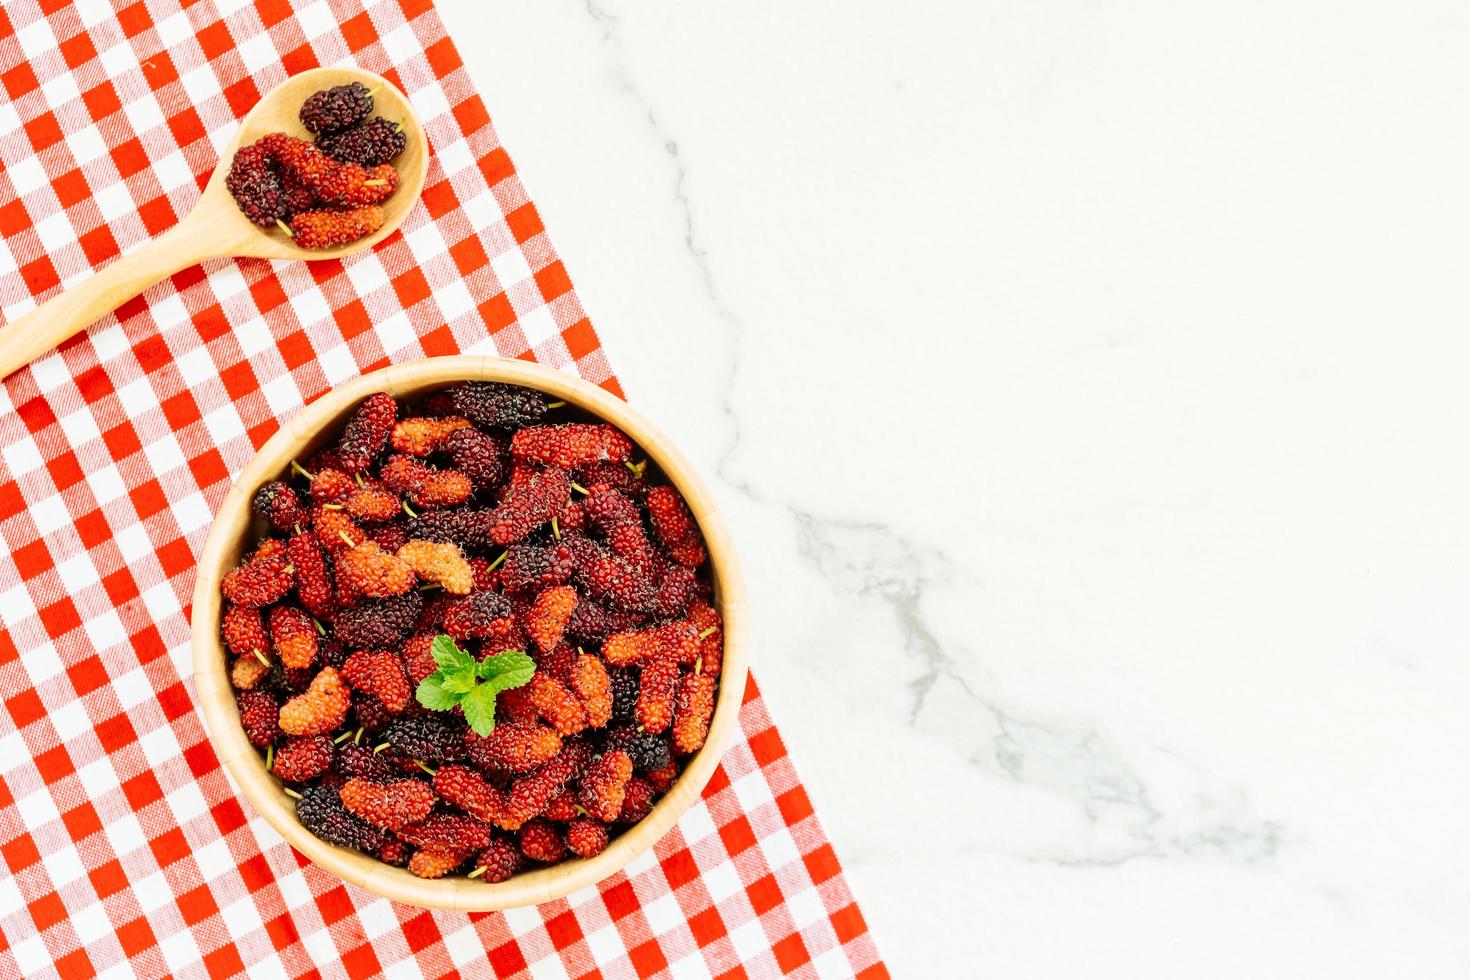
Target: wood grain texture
pixel 234 530
pixel 214 227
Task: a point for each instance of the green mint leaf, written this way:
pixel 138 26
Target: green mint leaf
pixel 448 655
pixel 460 680
pixel 507 670
pixel 479 709
pixel 431 693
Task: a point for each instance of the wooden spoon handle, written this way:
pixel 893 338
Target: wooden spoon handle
pixel 61 316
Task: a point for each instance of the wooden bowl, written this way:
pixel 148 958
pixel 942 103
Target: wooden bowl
pixel 235 530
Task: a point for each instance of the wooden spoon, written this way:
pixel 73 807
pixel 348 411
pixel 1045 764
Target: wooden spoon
pixel 215 227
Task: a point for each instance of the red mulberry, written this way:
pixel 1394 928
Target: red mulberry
pixel 563 807
pixel 540 842
pixel 556 704
pixel 302 759
pixel 546 620
pixel 617 519
pixel 512 747
pixel 294 636
pixel 447 833
pixel 589 681
pixel 328 229
pixel 711 635
pixel 314 583
pixel 638 797
pixel 418 656
pixel 675 591
pixel 323 708
pixel 373 503
pixel 391 806
pixel 656 685
pixel 471 792
pixel 481 614
pixel 369 571
pixel 379 673
pixel 675 526
pixel 586 838
pixel 422 436
pixel 261 580
pixel 694 707
pixel 442 563
pixel 335 531
pixel 610 579
pixel 428 864
pixel 530 794
pixel 247 672
pixel 279 506
pixel 332 486
pixel 360 761
pixel 501 860
pixel 677 639
pixel 367 431
pixel 258 710
pixel 528 506
pixel 336 184
pixel 425 486
pixel 604 783
pixel 243 631
pixel 573 444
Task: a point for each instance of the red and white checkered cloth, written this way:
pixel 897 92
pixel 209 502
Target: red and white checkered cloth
pixel 125 849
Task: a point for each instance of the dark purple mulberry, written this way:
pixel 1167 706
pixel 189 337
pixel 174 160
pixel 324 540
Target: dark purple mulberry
pixel 647 750
pixel 320 811
pixel 279 505
pixel 624 692
pixel 482 456
pixel 429 738
pixel 334 109
pixel 378 625
pixel 255 187
pixel 492 405
pixel 470 529
pixel 375 141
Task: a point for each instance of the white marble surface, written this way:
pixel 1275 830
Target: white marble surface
pixel 1084 382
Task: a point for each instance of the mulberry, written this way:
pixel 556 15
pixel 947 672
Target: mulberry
pixel 391 806
pixel 492 405
pixel 302 759
pixel 439 562
pixel 617 519
pixel 328 229
pixel 437 737
pixel 346 185
pixel 563 807
pixel 378 625
pixel 693 709
pixel 501 860
pixel 427 864
pixel 314 585
pixel 293 636
pixel 711 635
pixel 390 537
pixel 589 681
pixel 513 747
pixel 255 187
pixel 248 671
pixel 298 196
pixel 418 657
pixel 677 639
pixel 530 794
pixel 375 142
pixel 656 684
pixel 482 456
pixel 662 778
pixel 279 506
pixel 355 760
pixel 556 704
pixel 320 811
pixel 261 580
pixel 425 486
pixel 323 708
pixel 470 529
pixel 638 797
pixel 675 526
pixel 586 838
pixel 610 579
pixel 336 531
pixel 371 572
pixel 394 852
pixel 573 444
pixel 447 833
pixel 379 673
pixel 471 792
pixel 243 631
pixel 593 623
pixel 481 614
pixel 624 694
pixel 532 567
pixel 367 431
pixel 373 503
pixel 258 710
pixel 526 507
pixel 335 109
pixel 604 784
pixel 647 750
pixel 540 842
pixel 546 620
pixel 675 591
pixel 332 486
pixel 422 436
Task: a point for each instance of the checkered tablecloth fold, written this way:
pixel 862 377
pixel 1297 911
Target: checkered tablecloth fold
pixel 124 850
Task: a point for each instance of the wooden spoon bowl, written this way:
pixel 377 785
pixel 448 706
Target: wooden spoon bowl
pixel 215 227
pixel 236 530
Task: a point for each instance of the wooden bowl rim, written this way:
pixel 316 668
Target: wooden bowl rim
pixel 216 696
